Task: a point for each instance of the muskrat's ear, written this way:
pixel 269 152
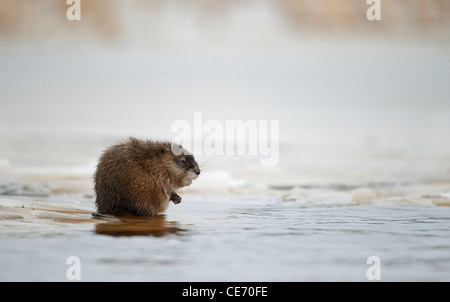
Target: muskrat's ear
pixel 161 152
pixel 176 149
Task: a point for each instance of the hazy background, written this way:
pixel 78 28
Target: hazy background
pixel 357 100
pixel 364 115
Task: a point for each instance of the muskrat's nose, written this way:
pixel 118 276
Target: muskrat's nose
pixel 197 171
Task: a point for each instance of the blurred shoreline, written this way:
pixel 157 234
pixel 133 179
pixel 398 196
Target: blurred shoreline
pixel 162 22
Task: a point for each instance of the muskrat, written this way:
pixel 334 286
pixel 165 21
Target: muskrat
pixel 139 177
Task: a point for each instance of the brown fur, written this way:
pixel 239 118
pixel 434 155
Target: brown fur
pixel 140 177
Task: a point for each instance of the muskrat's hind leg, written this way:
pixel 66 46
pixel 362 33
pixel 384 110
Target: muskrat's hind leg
pixel 175 197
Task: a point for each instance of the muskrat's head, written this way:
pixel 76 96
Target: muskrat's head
pixel 182 164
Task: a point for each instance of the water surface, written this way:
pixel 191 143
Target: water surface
pixel 238 239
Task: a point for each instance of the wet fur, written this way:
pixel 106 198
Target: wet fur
pixel 140 177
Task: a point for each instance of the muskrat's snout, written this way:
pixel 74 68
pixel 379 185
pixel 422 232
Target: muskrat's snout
pixel 192 166
pixel 196 170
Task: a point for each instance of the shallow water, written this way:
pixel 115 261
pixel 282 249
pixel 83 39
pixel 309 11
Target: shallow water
pixel 240 239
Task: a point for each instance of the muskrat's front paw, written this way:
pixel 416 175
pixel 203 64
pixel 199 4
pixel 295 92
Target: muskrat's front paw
pixel 175 198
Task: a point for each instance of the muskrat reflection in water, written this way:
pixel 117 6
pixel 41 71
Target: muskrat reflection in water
pixel 137 226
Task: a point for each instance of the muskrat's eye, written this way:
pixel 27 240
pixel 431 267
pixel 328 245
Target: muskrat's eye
pixel 183 161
